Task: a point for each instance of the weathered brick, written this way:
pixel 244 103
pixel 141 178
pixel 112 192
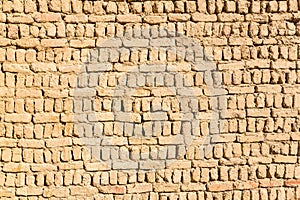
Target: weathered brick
pixel 102 18
pixel 46 117
pixel 82 43
pixel 246 185
pixel 78 18
pixel 83 191
pixel 28 42
pixel 20 18
pixel 22 93
pixel 29 143
pixel 200 17
pixel 7 142
pixel 129 18
pixel 112 189
pixel 25 118
pixel 43 67
pixel 47 17
pixel 96 167
pixel 285 159
pixel 16 167
pixel 178 17
pixel 258 112
pixel 218 186
pixel 139 188
pixel 166 187
pixel 57 142
pixel 56 192
pixel 4 42
pixel 155 19
pixel 54 42
pixel 29 191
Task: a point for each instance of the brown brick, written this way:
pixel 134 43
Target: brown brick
pixel 295 182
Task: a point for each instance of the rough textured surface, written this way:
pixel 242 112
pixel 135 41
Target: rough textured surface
pixel 255 46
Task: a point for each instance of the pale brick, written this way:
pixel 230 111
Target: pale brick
pixel 178 17
pixel 54 42
pixel 20 18
pixel 29 191
pixel 57 142
pixel 166 187
pixel 129 18
pixel 155 19
pixel 285 159
pixel 6 92
pixel 200 17
pixel 29 143
pixel 4 42
pixel 85 191
pixel 28 42
pixel 19 68
pixel 56 192
pixel 25 118
pixel 78 18
pixel 43 67
pixel 93 167
pixel 16 167
pixel 139 188
pixel 218 186
pixel 112 189
pixel 6 142
pixel 259 112
pixel 82 43
pixel 22 93
pixel 43 167
pixel 46 117
pixel 102 18
pixel 47 17
pixel 245 185
pixel 7 192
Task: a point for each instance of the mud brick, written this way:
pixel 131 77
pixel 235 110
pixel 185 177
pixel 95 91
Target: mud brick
pixel 217 186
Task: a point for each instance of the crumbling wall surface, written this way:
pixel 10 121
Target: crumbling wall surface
pixel 149 99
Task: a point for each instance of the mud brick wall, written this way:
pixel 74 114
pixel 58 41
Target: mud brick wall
pixel 149 99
